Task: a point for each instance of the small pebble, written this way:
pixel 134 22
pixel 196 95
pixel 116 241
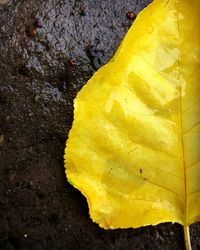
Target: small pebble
pixel 38 23
pixel 82 10
pixel 32 32
pixel 40 48
pixel 131 15
pixel 72 62
pixel 8 118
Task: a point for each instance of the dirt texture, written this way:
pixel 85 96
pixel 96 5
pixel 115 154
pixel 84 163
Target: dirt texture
pixel 48 50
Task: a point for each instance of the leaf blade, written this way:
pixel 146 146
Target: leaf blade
pixel 130 157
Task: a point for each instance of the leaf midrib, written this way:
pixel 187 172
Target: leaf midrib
pixel 182 150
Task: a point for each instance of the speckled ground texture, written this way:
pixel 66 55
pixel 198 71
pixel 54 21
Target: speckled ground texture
pixel 41 70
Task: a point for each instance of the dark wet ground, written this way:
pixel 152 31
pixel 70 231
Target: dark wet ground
pixel 41 70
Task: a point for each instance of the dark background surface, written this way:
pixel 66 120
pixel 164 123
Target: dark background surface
pixel 41 70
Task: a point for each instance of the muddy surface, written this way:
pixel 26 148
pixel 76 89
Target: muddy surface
pixel 48 50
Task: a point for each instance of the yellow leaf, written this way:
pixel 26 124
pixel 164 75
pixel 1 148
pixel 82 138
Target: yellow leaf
pixel 134 147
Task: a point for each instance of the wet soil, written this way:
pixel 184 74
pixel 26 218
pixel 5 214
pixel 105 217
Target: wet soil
pixel 48 50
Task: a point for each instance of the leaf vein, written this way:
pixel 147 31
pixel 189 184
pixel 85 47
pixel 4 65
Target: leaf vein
pixel 193 164
pixel 190 129
pixel 194 193
pixel 157 202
